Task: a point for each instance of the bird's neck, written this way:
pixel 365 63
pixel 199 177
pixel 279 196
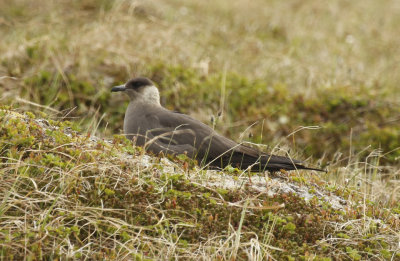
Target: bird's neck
pixel 149 94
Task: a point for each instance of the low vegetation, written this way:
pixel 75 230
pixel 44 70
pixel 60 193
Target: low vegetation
pixel 68 195
pixel 314 79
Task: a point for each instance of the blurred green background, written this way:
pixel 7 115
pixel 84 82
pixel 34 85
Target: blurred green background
pixel 269 68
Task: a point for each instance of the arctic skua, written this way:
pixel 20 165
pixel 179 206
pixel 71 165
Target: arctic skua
pixel 160 130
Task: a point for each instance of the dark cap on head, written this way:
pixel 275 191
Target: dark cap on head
pixel 134 84
pixel 138 82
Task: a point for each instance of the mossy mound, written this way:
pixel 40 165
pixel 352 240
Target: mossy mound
pixel 70 195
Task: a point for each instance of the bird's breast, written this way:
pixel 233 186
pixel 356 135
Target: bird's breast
pixel 130 123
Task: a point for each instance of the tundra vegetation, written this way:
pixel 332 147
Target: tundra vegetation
pixel 316 80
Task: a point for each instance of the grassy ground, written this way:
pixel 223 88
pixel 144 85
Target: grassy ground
pixel 70 196
pixel 281 67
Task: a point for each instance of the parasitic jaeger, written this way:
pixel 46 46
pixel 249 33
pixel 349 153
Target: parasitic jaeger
pixel 161 130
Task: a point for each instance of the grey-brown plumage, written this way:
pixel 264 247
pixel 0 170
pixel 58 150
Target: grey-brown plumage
pixel 161 130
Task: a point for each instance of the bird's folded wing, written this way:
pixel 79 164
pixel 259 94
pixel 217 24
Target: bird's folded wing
pixel 185 130
pixel 180 133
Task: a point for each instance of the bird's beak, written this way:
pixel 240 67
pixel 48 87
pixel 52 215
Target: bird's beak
pixel 119 88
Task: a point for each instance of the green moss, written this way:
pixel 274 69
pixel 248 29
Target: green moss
pixel 353 254
pixel 342 235
pixel 290 227
pixel 109 192
pixel 222 191
pixel 386 254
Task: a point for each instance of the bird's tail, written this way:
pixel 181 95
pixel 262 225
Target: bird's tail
pixel 265 162
pixel 307 168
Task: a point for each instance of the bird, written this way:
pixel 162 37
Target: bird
pixel 160 130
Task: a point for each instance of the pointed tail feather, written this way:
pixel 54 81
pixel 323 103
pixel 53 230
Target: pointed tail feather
pixel 263 163
pixel 307 168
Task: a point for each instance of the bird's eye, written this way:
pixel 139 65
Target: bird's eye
pixel 133 85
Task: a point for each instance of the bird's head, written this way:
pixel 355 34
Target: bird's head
pixel 140 89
